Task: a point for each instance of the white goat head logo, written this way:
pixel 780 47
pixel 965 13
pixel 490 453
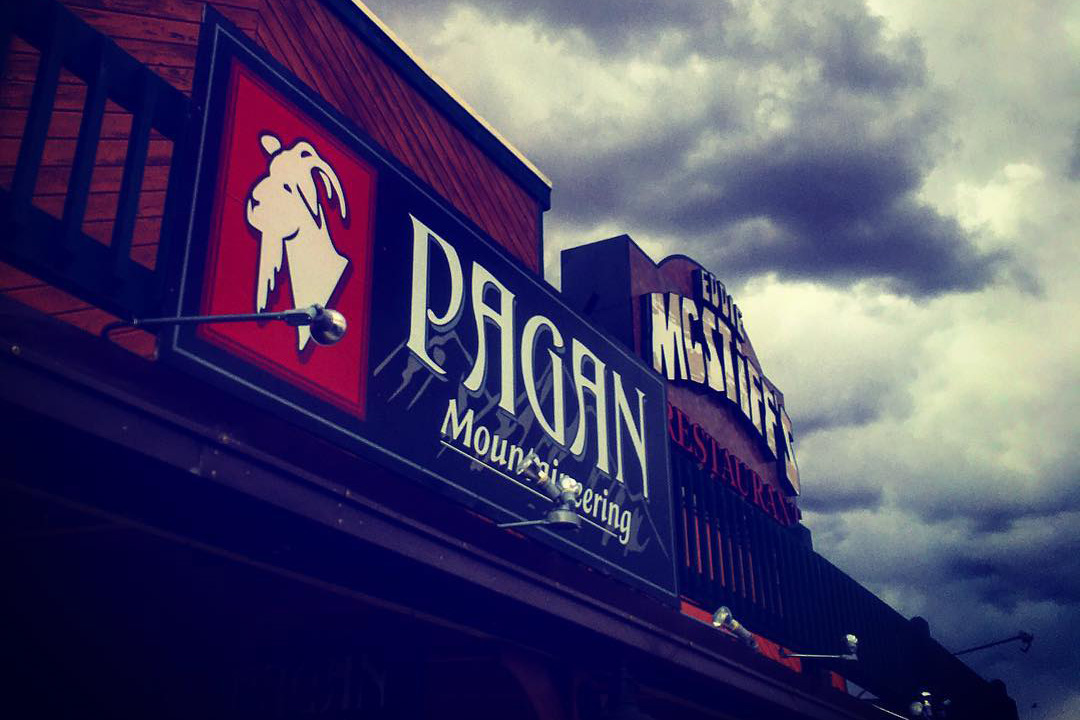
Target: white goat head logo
pixel 284 208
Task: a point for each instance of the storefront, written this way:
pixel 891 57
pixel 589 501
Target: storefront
pixel 485 499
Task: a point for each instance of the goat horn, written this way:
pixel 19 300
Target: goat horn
pixel 331 182
pixel 270 143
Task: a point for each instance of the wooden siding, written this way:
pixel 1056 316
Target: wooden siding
pixel 309 39
pixel 314 44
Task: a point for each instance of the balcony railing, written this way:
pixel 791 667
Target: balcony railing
pixel 82 78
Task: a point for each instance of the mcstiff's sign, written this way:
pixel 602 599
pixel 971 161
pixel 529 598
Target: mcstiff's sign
pixel 456 364
pixel 701 341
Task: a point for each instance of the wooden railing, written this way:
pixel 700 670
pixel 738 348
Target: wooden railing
pixel 82 78
pixel 733 554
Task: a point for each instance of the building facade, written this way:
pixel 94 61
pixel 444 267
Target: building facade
pixel 485 499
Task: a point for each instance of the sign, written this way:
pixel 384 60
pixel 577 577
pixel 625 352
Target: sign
pixel 728 468
pixel 700 341
pixel 456 364
pixel 284 234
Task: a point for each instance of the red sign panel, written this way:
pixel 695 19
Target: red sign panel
pixel 292 225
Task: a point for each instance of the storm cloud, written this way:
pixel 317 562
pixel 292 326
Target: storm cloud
pixel 769 137
pixel 1073 171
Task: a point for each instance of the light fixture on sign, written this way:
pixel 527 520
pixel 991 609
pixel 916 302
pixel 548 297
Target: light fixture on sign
pixel 724 620
pixel 923 708
pixel 852 653
pixel 327 326
pixel 563 494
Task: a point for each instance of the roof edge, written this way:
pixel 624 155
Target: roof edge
pixel 393 49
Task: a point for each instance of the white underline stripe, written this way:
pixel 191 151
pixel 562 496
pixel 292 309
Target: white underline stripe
pixel 598 527
pixel 472 457
pixel 534 491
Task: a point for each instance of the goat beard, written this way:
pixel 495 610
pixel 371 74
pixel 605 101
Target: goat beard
pixel 271 254
pixel 315 269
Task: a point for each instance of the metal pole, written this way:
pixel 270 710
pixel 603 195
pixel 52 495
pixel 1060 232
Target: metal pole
pixel 1025 639
pixel 296 316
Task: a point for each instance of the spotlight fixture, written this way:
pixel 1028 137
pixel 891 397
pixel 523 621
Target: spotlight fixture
pixel 563 494
pixel 921 708
pixel 327 326
pixel 852 653
pixel 724 620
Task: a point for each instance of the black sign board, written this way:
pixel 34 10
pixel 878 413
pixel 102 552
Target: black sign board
pixel 457 362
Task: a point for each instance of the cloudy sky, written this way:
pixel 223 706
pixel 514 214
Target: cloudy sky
pixel 892 192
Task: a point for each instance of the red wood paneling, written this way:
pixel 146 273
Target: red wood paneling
pixel 314 44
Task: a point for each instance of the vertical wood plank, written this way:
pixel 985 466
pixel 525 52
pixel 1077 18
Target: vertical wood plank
pixel 41 108
pixel 78 189
pixel 131 184
pixel 7 31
